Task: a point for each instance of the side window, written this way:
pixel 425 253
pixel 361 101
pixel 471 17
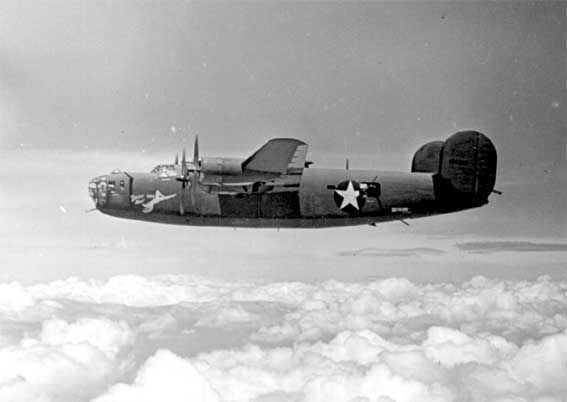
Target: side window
pixel 121 184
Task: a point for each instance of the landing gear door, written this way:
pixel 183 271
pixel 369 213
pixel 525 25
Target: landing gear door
pixel 119 190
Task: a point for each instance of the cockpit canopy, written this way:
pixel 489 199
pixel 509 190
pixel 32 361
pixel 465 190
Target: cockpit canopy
pixel 165 170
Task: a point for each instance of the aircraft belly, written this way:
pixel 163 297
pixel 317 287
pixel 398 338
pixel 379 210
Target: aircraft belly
pixel 284 205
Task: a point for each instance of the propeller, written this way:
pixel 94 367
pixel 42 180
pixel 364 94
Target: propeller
pixel 183 177
pixel 184 165
pixel 196 167
pixel 196 152
pixel 177 159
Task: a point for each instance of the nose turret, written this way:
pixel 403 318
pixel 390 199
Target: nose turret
pixel 98 190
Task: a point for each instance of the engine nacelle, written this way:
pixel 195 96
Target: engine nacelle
pixel 221 166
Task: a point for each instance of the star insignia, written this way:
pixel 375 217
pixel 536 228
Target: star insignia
pixel 350 196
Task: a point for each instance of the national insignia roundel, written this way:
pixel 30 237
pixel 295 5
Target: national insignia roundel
pixel 349 197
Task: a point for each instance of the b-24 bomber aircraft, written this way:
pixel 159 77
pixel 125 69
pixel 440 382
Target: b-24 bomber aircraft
pixel 276 187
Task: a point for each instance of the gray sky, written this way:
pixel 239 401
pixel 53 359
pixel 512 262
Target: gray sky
pixel 89 86
pixel 377 76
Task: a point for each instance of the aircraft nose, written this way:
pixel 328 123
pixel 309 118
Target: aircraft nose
pixel 98 191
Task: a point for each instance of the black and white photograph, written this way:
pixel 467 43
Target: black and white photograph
pixel 283 201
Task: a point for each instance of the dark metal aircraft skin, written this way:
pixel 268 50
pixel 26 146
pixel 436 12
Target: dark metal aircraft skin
pixel 275 187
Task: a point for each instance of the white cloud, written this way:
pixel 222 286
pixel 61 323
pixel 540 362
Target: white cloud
pixel 164 377
pixel 362 366
pixel 138 291
pixel 391 307
pixel 66 362
pixel 107 336
pixel 382 340
pixel 13 297
pixel 399 308
pixel 542 365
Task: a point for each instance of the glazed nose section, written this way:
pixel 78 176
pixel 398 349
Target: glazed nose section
pixel 98 190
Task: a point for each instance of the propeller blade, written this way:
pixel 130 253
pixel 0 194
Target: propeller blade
pixel 182 200
pixel 177 159
pixel 183 180
pixel 196 151
pixel 192 189
pixel 183 165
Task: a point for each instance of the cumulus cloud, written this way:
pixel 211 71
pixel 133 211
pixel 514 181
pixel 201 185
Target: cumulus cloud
pixel 105 335
pixel 362 366
pixel 402 309
pixel 14 298
pixel 65 362
pixel 133 337
pixel 164 377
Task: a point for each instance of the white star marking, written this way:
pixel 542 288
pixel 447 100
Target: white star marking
pixel 349 196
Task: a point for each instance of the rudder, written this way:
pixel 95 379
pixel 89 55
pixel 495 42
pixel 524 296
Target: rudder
pixel 467 168
pixel 426 158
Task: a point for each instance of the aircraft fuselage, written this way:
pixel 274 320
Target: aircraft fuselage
pixel 276 188
pixel 312 204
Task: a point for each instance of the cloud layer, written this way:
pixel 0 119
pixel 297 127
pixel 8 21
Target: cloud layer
pixel 481 247
pixel 140 338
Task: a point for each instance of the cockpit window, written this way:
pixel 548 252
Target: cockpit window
pixel 165 170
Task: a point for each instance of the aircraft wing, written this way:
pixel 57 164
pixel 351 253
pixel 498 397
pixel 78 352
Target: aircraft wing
pixel 277 166
pixel 254 187
pixel 285 156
